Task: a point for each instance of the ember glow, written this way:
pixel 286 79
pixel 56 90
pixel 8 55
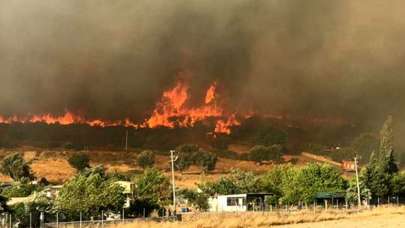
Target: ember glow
pixel 171 111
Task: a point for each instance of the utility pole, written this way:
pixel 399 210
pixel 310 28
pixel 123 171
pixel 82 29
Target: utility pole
pixel 173 159
pixel 126 141
pixel 357 181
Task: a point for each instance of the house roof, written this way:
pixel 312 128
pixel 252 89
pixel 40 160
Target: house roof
pixel 330 195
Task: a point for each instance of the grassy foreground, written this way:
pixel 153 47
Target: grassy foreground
pixel 380 217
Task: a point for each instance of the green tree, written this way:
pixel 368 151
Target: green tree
pixel 14 166
pixel 190 154
pixel 197 199
pixel 314 178
pixel 79 161
pixel 398 184
pixel 146 159
pixel 187 156
pixel 290 188
pixel 151 191
pixel 271 182
pixel 382 167
pixel 265 153
pixel 19 190
pixel 269 136
pixel 90 192
pixel 235 183
pixel 207 161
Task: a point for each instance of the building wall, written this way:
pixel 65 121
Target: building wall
pixel 220 203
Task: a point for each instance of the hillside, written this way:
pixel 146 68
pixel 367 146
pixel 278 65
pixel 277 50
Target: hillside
pixel 53 164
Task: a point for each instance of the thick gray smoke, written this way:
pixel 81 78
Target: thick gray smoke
pixel 112 59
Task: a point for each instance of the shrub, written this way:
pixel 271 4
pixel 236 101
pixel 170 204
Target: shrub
pixel 14 166
pixel 197 199
pixel 19 190
pixel 190 154
pixel 265 153
pixel 146 159
pixel 268 136
pixel 79 161
pixel 207 161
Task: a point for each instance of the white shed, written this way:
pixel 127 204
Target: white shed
pixel 237 202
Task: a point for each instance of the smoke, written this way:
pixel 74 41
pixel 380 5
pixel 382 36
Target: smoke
pixel 113 59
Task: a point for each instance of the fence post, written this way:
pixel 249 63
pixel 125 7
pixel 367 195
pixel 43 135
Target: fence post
pixel 314 207
pixel 397 200
pixel 30 220
pixel 102 218
pixel 57 219
pixel 123 215
pixel 80 221
pixel 11 223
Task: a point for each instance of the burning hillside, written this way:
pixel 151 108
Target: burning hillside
pixel 171 111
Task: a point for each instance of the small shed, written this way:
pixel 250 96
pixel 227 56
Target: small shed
pixel 331 198
pixel 238 202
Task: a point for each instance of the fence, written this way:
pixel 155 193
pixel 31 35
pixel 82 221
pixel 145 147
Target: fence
pixel 54 221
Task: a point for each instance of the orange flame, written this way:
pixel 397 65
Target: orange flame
pixel 224 126
pixel 210 96
pixel 171 111
pixel 66 119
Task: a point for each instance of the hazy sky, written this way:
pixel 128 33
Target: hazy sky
pixel 113 59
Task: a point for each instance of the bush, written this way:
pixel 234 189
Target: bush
pixel 197 199
pixel 79 161
pixel 265 153
pixel 14 166
pixel 190 154
pixel 19 190
pixel 268 136
pixel 146 159
pixel 207 161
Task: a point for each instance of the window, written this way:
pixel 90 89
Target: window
pixel 235 201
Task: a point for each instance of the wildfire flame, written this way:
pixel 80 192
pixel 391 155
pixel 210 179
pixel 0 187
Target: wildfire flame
pixel 171 111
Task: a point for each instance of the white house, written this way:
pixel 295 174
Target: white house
pixel 237 202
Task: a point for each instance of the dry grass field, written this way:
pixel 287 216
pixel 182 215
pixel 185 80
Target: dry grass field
pixel 53 165
pixel 381 217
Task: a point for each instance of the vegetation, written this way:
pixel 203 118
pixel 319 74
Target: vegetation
pixel 266 153
pixel 90 192
pixel 190 154
pixel 14 166
pixel 19 190
pixel 196 199
pixel 79 161
pixel 235 183
pixel 289 184
pixel 381 169
pixel 151 192
pixel 146 159
pixel 269 136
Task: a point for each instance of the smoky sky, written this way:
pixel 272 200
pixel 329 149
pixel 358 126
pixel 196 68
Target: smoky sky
pixel 113 59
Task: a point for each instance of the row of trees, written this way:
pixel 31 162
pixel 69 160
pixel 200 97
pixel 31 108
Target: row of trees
pixel 381 177
pixel 288 184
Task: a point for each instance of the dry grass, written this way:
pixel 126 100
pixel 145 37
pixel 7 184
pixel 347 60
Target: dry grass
pixel 382 217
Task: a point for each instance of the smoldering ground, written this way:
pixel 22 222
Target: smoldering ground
pixel 113 59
